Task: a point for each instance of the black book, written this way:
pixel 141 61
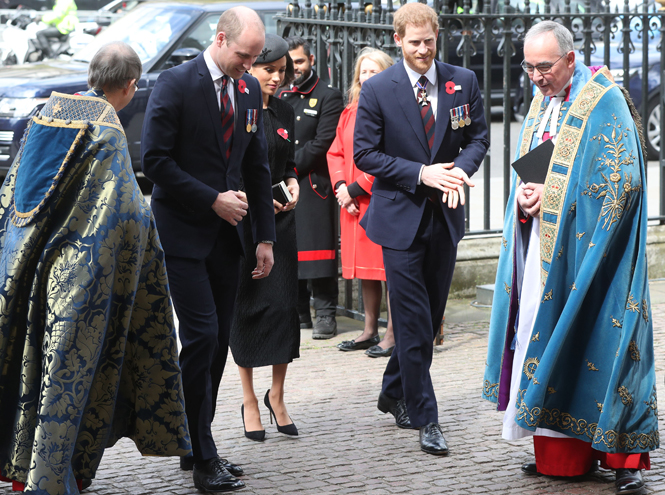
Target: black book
pixel 281 193
pixel 533 166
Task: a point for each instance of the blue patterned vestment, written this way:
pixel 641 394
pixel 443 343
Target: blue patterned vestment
pixel 589 368
pixel 88 349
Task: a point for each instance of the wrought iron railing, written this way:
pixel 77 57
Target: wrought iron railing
pixel 487 37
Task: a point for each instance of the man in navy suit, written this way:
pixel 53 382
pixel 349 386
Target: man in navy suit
pixel 422 150
pixel 203 132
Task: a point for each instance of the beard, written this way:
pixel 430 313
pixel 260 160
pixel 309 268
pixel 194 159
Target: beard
pixel 301 79
pixel 420 66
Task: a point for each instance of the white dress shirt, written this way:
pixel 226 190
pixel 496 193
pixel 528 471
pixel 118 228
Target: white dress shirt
pixel 432 86
pixel 217 74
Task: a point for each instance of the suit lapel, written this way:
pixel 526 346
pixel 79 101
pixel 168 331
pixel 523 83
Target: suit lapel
pixel 405 96
pixel 210 96
pixel 445 103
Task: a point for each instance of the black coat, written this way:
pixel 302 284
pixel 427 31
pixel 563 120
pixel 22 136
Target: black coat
pixel 317 108
pixel 266 328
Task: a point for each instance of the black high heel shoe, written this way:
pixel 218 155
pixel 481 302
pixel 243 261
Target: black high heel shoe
pixel 256 435
pixel 286 429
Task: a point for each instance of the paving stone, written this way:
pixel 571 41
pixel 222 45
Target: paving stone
pixel 347 446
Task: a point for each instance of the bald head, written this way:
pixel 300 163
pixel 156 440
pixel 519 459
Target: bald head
pixel 238 42
pixel 113 65
pixel 235 20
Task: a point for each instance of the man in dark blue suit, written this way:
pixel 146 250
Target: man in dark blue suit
pixel 203 132
pixel 422 150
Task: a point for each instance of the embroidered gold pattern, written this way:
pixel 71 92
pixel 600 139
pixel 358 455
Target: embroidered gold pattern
pixel 504 242
pixel 599 406
pixel 591 244
pixel 615 322
pixel 632 304
pixel 491 389
pixel 507 287
pixel 548 296
pixel 543 417
pixel 616 196
pixel 573 287
pixel 560 253
pixel 652 403
pixel 550 390
pixel 535 381
pixel 591 366
pixel 634 351
pixel 579 235
pixel 626 398
pixel 564 154
pixel 645 310
pixel 536 337
pixel 530 366
pixel 573 206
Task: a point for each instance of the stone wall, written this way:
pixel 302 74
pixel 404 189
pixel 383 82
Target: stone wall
pixel 477 258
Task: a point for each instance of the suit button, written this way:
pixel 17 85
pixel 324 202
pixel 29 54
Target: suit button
pixel 302 96
pixel 296 141
pixel 298 117
pixel 313 186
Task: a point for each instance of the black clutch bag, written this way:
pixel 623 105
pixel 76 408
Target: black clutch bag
pixel 281 193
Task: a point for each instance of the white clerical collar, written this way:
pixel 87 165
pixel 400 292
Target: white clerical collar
pixel 414 76
pixel 214 70
pixel 552 113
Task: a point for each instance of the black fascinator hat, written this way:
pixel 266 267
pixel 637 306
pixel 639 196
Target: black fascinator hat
pixel 275 48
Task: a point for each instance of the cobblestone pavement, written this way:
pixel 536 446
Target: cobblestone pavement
pixel 347 446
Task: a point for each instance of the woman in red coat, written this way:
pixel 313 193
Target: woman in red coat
pixel 361 258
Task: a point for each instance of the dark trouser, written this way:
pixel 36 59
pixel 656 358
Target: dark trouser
pixel 323 290
pixel 43 37
pixel 203 293
pixel 418 280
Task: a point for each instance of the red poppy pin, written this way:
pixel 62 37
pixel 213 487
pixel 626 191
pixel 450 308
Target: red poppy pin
pixel 242 87
pixel 284 134
pixel 450 87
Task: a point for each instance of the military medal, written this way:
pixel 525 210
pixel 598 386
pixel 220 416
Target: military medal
pixel 467 115
pixel 453 119
pixel 460 113
pixel 252 116
pixel 422 95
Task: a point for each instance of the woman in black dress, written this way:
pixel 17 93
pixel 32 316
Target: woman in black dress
pixel 266 328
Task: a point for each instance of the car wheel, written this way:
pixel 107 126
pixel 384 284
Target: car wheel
pixel 652 128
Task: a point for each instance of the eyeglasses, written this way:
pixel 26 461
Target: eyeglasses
pixel 136 86
pixel 542 68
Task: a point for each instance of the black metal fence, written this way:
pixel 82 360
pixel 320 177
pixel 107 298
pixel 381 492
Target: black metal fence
pixel 487 37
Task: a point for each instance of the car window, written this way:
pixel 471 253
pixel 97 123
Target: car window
pixel 146 29
pixel 201 37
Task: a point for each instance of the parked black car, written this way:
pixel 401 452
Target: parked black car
pixel 163 34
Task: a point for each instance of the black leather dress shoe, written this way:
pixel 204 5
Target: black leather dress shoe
pixel 529 468
pixel 628 481
pixel 395 407
pixel 187 464
pixel 352 345
pixel 432 441
pixel 376 351
pixel 211 476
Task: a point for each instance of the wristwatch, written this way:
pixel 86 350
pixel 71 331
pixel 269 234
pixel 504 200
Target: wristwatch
pixel 267 242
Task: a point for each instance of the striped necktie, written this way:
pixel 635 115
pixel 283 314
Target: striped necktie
pixel 426 111
pixel 227 116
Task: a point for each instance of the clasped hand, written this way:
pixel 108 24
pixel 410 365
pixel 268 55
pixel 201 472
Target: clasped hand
pixel 529 197
pixel 449 179
pixel 231 206
pixel 345 200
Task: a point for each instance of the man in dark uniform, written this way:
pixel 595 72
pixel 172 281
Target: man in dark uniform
pixel 317 107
